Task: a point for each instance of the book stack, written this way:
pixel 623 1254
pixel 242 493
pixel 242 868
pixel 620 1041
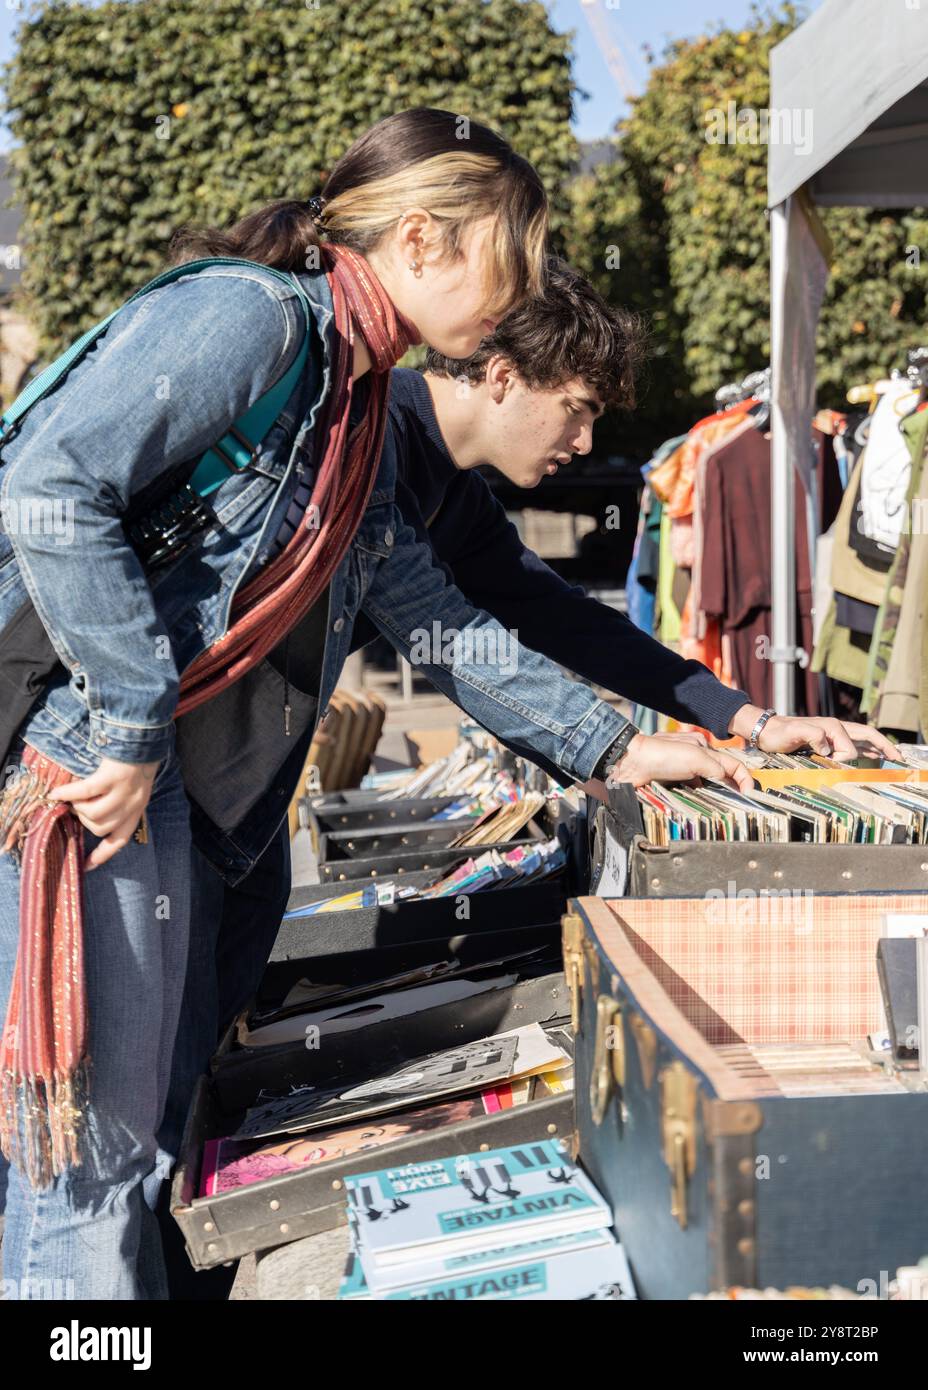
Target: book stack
pixel 513 1223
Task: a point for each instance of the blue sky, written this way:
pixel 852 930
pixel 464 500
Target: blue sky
pixel 630 24
pixel 627 24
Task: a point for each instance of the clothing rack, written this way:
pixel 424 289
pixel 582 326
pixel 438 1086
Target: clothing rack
pixel 756 384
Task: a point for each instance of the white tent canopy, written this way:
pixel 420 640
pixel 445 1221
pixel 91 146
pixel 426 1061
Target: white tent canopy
pixel 849 125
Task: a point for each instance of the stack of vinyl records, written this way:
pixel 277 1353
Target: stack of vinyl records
pixel 477 1078
pixel 339 1068
pixel 416 828
pixel 346 1044
pixel 471 768
pixel 396 868
pixel 813 822
pixel 492 869
pixel 521 1222
pixel 386 884
pixel 811 800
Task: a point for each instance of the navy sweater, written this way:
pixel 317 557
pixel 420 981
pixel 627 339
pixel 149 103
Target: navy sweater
pixel 456 512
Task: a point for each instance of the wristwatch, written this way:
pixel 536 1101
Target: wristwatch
pixel 616 750
pixel 760 726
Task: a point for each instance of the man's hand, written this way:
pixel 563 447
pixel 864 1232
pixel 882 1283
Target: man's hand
pixel 677 758
pixel 831 737
pixel 598 789
pixel 110 803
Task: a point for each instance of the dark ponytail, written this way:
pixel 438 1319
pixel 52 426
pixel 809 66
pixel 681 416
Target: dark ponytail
pixel 282 234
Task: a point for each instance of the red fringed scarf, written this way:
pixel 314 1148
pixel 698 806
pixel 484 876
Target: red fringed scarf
pixel 43 1062
pixel 43 1053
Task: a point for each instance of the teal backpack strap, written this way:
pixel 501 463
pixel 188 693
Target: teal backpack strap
pixel 237 447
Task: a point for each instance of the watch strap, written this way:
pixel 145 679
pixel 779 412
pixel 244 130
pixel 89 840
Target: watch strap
pixel 616 750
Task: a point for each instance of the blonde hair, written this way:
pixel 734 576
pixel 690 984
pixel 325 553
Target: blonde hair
pixel 458 170
pixel 457 189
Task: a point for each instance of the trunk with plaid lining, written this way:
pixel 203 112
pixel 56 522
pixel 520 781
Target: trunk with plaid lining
pixel 728 1105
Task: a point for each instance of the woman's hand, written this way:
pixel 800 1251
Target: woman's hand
pixel 831 737
pixel 677 758
pixel 110 803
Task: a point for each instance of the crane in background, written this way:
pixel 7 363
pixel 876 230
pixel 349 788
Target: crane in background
pixel 604 32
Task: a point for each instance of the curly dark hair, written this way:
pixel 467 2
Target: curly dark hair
pixel 568 332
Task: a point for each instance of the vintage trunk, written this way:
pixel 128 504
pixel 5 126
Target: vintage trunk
pixel 728 1105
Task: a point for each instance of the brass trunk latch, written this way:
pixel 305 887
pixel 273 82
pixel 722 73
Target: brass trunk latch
pixel 646 1042
pixel 572 944
pixel 608 1071
pixel 679 1089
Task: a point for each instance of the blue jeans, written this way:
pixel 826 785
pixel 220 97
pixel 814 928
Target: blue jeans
pixel 234 932
pixel 93 1234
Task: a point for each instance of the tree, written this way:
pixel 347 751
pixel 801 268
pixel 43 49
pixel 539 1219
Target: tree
pixel 132 118
pixel 692 210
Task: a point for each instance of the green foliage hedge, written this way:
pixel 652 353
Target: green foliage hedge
pixel 131 118
pixel 690 219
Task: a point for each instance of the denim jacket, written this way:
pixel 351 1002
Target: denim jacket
pixel 159 387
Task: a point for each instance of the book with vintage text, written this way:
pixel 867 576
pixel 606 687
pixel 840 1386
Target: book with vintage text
pixel 473 1202
pixel 598 1274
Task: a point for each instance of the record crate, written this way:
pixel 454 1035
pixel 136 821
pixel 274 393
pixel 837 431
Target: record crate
pixel 289 1206
pixel 624 863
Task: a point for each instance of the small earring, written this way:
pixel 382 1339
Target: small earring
pixel 416 268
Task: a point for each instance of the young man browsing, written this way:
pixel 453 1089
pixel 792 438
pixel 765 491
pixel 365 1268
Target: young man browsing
pixel 525 403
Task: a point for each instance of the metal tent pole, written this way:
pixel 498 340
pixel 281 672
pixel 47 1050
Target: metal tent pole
pixel 782 485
